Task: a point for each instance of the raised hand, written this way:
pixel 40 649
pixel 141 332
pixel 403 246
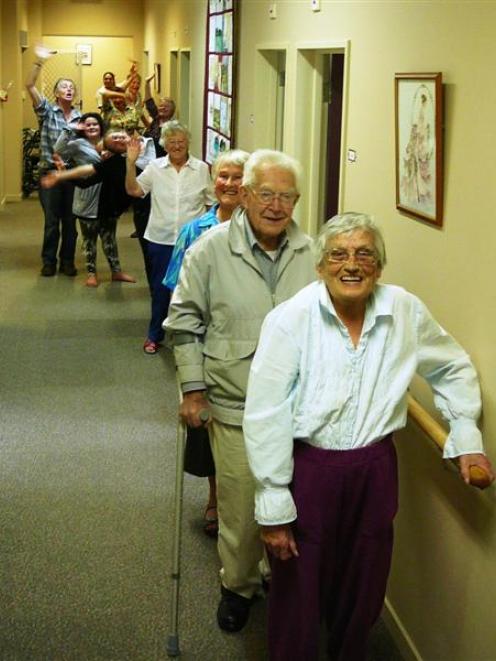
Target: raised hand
pixel 133 149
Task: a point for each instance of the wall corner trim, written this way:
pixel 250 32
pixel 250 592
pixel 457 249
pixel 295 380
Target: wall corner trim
pixel 396 628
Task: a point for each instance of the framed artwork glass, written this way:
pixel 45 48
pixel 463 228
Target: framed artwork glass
pixel 84 53
pixel 218 116
pixel 419 145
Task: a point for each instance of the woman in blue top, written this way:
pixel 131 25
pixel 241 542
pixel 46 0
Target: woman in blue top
pixel 227 174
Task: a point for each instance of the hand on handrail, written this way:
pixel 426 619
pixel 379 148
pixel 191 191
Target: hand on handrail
pixel 475 469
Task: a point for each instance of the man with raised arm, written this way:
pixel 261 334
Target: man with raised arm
pixel 60 235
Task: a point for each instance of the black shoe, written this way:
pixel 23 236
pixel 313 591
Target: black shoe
pixel 68 268
pixel 233 611
pixel 48 270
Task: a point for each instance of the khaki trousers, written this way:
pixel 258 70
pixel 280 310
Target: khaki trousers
pixel 239 544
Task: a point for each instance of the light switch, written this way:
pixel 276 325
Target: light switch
pixel 315 5
pixel 273 10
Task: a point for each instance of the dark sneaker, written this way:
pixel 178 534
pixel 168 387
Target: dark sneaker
pixel 233 611
pixel 68 268
pixel 48 270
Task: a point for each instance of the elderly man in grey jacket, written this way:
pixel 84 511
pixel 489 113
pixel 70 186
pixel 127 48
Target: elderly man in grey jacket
pixel 230 279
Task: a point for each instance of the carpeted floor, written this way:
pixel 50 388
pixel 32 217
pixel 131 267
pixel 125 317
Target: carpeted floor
pixel 87 463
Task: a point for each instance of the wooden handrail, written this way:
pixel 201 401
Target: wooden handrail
pixel 478 476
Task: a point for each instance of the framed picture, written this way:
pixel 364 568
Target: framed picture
pixel 220 75
pixel 157 68
pixel 83 53
pixel 419 145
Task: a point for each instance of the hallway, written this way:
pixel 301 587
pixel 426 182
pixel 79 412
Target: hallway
pixel 87 452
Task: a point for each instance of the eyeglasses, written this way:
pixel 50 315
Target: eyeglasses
pixel 362 256
pixel 267 197
pixel 176 143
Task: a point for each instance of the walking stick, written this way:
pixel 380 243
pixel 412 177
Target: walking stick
pixel 172 646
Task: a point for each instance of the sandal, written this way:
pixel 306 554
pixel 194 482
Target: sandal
pixel 211 523
pixel 150 347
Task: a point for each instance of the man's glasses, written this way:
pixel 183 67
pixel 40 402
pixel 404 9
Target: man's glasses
pixel 267 197
pixel 362 256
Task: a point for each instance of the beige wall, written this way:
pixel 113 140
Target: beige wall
pixel 10 111
pixel 2 113
pixel 174 27
pixel 443 575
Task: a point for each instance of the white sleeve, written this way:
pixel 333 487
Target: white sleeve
pixel 268 420
pixel 145 179
pixel 450 373
pixel 148 154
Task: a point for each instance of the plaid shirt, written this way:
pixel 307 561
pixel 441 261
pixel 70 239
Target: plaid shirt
pixel 52 121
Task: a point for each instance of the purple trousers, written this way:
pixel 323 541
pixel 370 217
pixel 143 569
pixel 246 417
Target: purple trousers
pixel 346 502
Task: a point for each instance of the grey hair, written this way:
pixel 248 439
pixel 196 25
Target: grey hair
pixel 270 158
pixel 172 127
pixel 230 157
pixel 59 82
pixel 349 222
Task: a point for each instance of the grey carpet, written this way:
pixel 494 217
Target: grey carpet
pixel 87 461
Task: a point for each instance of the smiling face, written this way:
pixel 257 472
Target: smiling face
pixel 269 218
pixel 109 81
pixel 350 283
pixel 227 186
pixel 177 145
pixel 165 109
pixel 92 129
pixel 134 85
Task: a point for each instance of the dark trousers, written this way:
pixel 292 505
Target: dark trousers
pixel 105 228
pixel 346 502
pixel 159 256
pixel 141 213
pixel 59 222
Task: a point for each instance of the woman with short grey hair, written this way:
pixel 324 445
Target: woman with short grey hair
pixel 171 129
pixel 181 190
pixel 345 223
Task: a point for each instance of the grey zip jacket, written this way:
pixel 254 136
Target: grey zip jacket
pixel 218 307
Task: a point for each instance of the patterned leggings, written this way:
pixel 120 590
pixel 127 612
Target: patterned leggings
pixel 106 228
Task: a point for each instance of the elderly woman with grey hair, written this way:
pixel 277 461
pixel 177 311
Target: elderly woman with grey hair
pixel 327 389
pixel 180 188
